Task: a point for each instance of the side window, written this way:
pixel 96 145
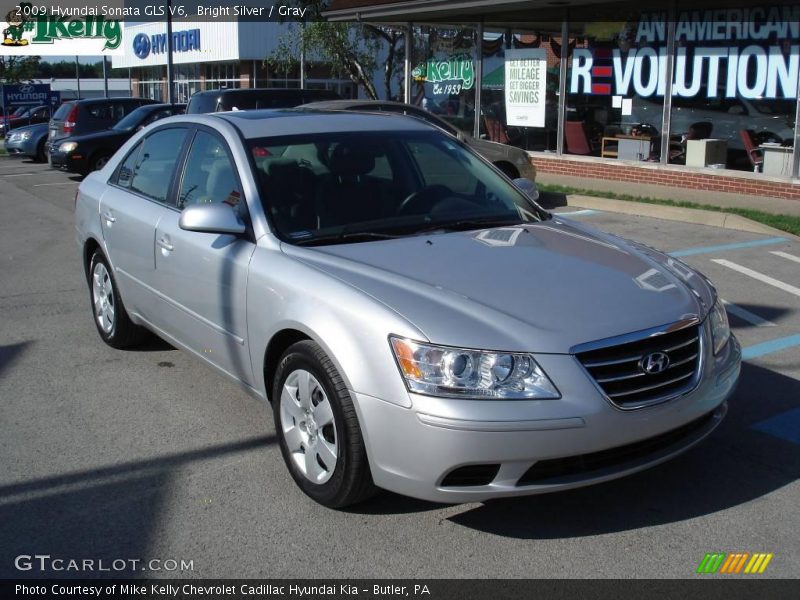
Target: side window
pixel 152 172
pixel 209 175
pixel 125 174
pixel 99 111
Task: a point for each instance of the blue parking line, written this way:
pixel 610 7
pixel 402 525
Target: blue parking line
pixel 769 347
pixel 724 247
pixel 785 426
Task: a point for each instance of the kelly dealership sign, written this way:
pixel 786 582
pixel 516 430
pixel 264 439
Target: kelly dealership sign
pixel 750 53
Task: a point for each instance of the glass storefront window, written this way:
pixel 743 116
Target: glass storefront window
pixel 735 89
pixel 615 91
pixel 444 73
pixel 519 88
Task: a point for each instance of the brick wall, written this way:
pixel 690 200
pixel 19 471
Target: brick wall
pixel 722 181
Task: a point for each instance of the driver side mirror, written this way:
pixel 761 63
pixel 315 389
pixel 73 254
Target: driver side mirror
pixel 527 187
pixel 211 218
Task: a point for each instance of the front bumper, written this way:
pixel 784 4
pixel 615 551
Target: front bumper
pixel 417 451
pixel 74 162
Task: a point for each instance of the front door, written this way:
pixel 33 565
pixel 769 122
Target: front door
pixel 203 276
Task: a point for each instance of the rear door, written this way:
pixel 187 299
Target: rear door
pixel 203 276
pixel 137 198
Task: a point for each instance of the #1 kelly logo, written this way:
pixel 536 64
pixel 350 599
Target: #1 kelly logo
pixel 33 25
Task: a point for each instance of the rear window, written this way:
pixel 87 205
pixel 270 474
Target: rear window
pixel 63 110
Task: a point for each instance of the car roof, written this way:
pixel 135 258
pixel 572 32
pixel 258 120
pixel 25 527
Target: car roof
pixel 343 104
pixel 278 122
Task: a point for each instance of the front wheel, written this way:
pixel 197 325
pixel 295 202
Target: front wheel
pixel 110 317
pixel 318 429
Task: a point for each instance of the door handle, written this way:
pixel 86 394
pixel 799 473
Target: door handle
pixel 109 217
pixel 165 245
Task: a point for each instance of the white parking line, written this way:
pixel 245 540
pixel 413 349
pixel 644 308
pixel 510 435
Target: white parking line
pixel 57 183
pixel 745 314
pixel 759 276
pixel 787 256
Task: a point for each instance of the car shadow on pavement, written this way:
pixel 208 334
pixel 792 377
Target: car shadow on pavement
pixel 108 513
pixel 11 353
pixel 769 313
pixel 734 465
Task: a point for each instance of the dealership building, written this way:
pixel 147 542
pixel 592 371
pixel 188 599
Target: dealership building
pixel 670 94
pixel 210 55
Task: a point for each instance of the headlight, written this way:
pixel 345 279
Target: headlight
pixel 458 373
pixel 720 330
pixel 67 147
pixel 23 136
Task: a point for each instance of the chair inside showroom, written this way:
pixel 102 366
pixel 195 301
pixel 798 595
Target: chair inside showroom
pixel 577 139
pixel 754 153
pixel 697 131
pixel 495 130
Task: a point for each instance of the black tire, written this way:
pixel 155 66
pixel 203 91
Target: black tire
pixel 41 151
pixel 122 332
pixel 508 169
pixel 351 480
pixel 98 161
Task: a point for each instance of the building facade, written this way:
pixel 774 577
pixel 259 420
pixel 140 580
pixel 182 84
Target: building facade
pixel 212 55
pixel 677 94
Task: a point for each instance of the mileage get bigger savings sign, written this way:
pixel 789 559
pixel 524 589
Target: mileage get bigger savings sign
pixel 526 75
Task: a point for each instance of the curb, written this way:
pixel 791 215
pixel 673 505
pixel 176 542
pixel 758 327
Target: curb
pixel 675 213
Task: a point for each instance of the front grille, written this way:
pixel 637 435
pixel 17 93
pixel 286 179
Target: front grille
pixel 618 372
pixel 551 470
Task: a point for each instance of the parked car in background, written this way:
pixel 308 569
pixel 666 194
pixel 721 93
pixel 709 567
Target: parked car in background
pixel 417 322
pixel 512 161
pixel 29 141
pixel 77 117
pixel 29 116
pixel 89 152
pixel 248 99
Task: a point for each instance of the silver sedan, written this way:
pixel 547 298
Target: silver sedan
pixel 417 322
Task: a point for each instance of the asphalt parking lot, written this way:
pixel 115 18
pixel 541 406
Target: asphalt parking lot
pixel 108 454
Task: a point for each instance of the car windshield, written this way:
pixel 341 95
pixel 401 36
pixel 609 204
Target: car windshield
pixel 132 120
pixel 351 187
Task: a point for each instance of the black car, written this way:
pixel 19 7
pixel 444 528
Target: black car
pixel 90 152
pixel 77 117
pixel 252 98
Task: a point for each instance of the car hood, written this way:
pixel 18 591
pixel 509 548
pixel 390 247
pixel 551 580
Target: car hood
pixel 543 287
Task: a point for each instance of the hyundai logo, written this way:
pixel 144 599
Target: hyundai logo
pixel 26 89
pixel 654 363
pixel 141 45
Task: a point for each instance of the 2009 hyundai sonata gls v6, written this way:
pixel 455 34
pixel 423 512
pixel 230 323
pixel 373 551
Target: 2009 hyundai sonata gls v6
pixel 417 322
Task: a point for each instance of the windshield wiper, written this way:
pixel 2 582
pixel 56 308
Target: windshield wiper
pixel 344 236
pixel 467 224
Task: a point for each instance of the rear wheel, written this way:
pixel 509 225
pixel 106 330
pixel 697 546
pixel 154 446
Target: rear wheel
pixel 318 430
pixel 110 317
pixel 41 151
pixel 98 161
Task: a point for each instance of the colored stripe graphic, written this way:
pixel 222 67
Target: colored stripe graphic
pixel 601 71
pixel 711 562
pixel 758 563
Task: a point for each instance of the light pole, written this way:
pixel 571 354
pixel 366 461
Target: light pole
pixel 170 73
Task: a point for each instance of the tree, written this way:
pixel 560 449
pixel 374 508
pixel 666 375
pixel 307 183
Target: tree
pixel 347 49
pixel 16 69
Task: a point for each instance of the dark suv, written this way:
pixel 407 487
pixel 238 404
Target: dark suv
pixel 246 99
pixel 85 116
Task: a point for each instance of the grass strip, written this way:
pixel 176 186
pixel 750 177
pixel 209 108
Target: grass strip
pixel 788 223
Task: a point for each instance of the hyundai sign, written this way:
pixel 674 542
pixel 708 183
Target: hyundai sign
pixel 182 41
pixel 25 94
